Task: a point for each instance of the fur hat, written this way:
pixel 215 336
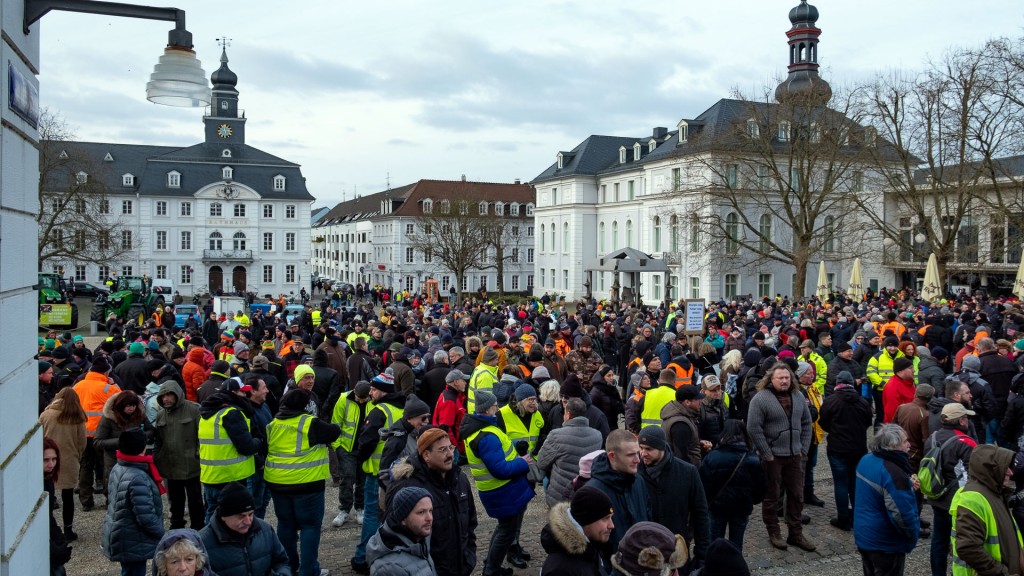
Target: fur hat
pixel 649 548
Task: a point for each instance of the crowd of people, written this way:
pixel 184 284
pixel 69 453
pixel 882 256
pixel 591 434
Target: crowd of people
pixel 651 446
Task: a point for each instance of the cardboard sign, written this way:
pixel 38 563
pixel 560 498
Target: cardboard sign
pixel 694 317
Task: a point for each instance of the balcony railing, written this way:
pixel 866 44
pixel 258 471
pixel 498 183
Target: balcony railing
pixel 227 255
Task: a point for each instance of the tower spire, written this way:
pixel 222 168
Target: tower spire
pixel 803 85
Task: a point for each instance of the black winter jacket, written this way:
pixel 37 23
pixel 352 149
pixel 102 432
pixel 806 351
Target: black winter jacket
pixel 677 500
pixel 846 416
pixel 135 516
pixel 630 499
pixel 998 371
pixel 605 398
pixel 747 487
pixel 258 551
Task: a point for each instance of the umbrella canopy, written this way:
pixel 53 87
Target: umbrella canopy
pixel 822 290
pixel 856 290
pixel 931 290
pixel 1018 283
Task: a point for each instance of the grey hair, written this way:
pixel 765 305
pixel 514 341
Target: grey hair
pixel 889 437
pixel 182 547
pixel 549 391
pixel 440 356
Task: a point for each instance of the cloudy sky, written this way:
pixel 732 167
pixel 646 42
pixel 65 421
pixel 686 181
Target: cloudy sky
pixel 358 91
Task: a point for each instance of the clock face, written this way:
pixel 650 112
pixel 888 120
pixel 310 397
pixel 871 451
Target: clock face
pixel 224 131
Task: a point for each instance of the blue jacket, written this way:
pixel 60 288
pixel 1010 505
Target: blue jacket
pixel 628 494
pixel 511 498
pixel 134 522
pixel 885 513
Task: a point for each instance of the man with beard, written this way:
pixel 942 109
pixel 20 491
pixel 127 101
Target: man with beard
pixel 453 539
pixel 402 545
pixel 575 533
pixel 583 361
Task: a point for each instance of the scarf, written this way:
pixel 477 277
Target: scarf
pixel 897 457
pixel 143 459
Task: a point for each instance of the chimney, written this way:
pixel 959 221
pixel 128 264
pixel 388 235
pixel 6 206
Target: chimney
pixel 463 177
pixel 660 132
pixel 517 181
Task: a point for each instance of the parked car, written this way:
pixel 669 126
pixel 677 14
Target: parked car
pixel 89 289
pixel 183 311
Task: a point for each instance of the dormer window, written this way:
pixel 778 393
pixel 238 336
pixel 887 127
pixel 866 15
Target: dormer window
pixel 108 158
pixel 684 130
pixel 81 178
pixel 529 209
pixel 753 130
pixel 622 154
pixel 428 206
pixel 636 151
pixel 128 180
pixel 446 207
pixel 483 208
pixel 225 153
pixel 463 207
pixel 651 145
pixel 870 136
pixel 513 209
pixel 174 179
pixel 784 131
pixel 560 160
pixel 815 133
pixel 227 173
pixel 499 208
pixel 278 183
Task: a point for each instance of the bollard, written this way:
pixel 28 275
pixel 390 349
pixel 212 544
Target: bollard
pixel 94 327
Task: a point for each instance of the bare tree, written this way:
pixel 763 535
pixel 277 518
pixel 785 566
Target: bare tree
pixel 503 242
pixel 74 210
pixel 455 234
pixel 778 185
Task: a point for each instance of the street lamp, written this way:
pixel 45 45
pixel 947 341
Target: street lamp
pixel 178 78
pixel 920 238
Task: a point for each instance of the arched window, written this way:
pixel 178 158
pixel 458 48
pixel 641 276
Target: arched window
pixel 601 248
pixel 565 237
pixel 629 233
pixel 657 234
pixel 238 240
pixel 552 239
pixel 732 234
pixel 542 238
pixel 674 224
pixel 829 245
pixel 615 235
pixel 216 241
pixel 764 230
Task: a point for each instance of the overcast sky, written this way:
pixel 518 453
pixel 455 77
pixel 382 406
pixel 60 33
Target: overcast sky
pixel 354 91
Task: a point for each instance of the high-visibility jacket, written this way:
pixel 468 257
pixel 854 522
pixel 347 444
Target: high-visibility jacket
pixel 316 316
pixel 654 400
pixel 684 376
pixel 347 414
pixel 516 431
pixel 484 378
pixel 820 370
pixel 979 506
pixel 562 346
pixel 219 460
pixel 481 475
pixel 391 415
pixel 290 458
pixel 93 392
pixel 880 368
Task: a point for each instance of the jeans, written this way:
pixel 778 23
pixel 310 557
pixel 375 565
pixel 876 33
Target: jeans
pixel 299 517
pixel 502 538
pixel 844 478
pixel 942 529
pixel 809 464
pixel 784 473
pixel 992 432
pixel 371 522
pixel 177 492
pixel 135 568
pixel 260 495
pixel 882 563
pixel 352 479
pixel 737 527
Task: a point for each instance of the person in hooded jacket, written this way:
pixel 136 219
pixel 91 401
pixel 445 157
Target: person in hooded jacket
pixel 181 552
pixel 615 472
pixel 401 546
pixel 134 522
pixel 122 411
pixel 604 395
pixel 931 369
pixel 239 543
pixel 734 481
pixel 176 454
pixel 453 538
pixel 574 535
pixel 194 374
pixel 846 416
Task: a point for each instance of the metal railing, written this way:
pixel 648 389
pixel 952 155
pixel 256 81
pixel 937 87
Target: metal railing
pixel 228 255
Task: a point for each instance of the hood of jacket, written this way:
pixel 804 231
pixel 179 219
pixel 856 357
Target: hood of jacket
pixel 602 470
pixel 564 532
pixel 118 418
pixel 172 537
pixel 848 394
pixel 195 355
pixel 473 423
pixel 752 357
pixel 988 466
pixel 676 408
pixel 170 387
pixel 390 540
pixel 222 398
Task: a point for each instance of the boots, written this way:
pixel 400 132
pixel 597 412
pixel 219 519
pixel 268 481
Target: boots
pixel 69 534
pixel 516 556
pixel 777 541
pixel 799 541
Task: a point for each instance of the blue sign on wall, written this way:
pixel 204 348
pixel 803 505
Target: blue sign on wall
pixel 22 95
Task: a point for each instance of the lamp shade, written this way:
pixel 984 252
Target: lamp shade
pixel 178 79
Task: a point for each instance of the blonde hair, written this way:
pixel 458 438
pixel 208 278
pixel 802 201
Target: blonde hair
pixel 550 391
pixel 179 549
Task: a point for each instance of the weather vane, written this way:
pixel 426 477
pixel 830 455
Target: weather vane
pixel 224 41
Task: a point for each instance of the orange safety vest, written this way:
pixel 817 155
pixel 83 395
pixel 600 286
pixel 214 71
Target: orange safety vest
pixel 525 370
pixel 562 346
pixel 684 377
pixel 156 317
pixel 93 391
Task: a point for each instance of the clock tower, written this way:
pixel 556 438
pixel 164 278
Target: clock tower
pixel 224 125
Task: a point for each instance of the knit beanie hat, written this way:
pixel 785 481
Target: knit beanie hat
pixel 525 391
pixel 589 505
pixel 428 437
pixel 571 387
pixel 136 349
pixel 100 364
pixel 844 377
pixel 536 355
pixel 540 373
pixel 901 364
pixel 490 356
pixel 132 442
pixel 414 408
pixel 240 347
pixel 383 382
pixel 234 499
pixel 843 347
pixel 652 437
pixel 61 352
pixel 971 362
pixel 940 353
pixel 404 502
pixel 362 389
pixel 295 399
pixel 44 366
pixel 587 462
pixel 301 371
pixel 484 400
pixel 724 558
pixel 649 548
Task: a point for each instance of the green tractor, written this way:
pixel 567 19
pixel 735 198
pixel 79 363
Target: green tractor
pixel 57 308
pixel 131 298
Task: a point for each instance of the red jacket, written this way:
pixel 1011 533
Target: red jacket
pixel 896 393
pixel 448 414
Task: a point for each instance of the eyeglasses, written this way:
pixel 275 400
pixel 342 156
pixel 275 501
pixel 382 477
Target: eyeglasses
pixel 443 449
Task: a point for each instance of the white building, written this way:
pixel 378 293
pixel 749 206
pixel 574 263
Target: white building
pixel 219 215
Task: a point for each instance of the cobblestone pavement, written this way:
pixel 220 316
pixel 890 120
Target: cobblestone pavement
pixel 836 552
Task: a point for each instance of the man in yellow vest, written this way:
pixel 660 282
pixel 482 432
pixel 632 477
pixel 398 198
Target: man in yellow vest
pixel 656 398
pixel 228 442
pixel 986 540
pixel 879 371
pixel 296 472
pixel 349 413
pixel 501 480
pixel 388 407
pixel 484 376
pixel 520 419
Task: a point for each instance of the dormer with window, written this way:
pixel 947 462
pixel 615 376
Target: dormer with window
pixel 279 183
pixel 227 173
pixel 753 130
pixel 128 180
pixel 651 145
pixel 622 154
pixel 499 208
pixel 785 131
pixel 446 207
pixel 513 209
pixel 637 150
pixel 81 178
pixel 560 160
pixel 428 206
pixel 174 179
pixel 684 131
pixel 225 153
pixel 529 209
pixel 870 136
pixel 463 207
pixel 483 208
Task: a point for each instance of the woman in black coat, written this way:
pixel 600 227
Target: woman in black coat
pixel 605 395
pixel 734 481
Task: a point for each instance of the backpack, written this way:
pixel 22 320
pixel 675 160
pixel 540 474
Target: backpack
pixel 930 472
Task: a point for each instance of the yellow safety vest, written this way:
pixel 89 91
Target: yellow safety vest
pixel 879 369
pixel 979 506
pixel 346 415
pixel 516 431
pixel 290 458
pixel 484 480
pixel 219 460
pixel 391 415
pixel 654 400
pixel 482 379
pixel 316 317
